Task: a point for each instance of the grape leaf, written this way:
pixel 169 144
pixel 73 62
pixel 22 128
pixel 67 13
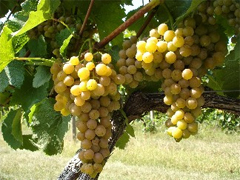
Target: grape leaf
pixel 7 5
pixel 130 130
pixel 42 76
pixel 178 8
pixel 6 48
pixel 108 17
pixel 17 126
pixel 228 77
pixel 231 71
pixel 127 2
pixel 45 10
pixel 65 45
pixel 223 21
pixel 9 131
pixel 3 81
pixel 48 127
pixel 62 35
pixel 27 6
pixel 28 143
pixel 27 95
pixel 192 8
pixel 123 140
pixel 15 73
pixel 18 41
pixel 38 47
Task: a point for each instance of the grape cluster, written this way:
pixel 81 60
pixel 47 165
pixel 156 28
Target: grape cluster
pixel 88 89
pixel 50 29
pixel 179 58
pixel 135 70
pixel 193 48
pixel 230 9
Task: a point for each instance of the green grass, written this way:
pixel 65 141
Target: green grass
pixel 210 155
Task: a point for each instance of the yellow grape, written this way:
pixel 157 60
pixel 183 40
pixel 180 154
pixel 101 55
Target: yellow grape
pixel 101 69
pixel 162 46
pixel 83 73
pixel 88 56
pixel 177 133
pixel 90 66
pixel 168 35
pixel 91 84
pixel 187 74
pixel 141 46
pixel 106 58
pixel 74 60
pixel 147 57
pixel 68 68
pixel 162 28
pixel 75 90
pixel 170 57
pixel 83 86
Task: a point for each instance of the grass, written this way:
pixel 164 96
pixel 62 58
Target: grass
pixel 210 155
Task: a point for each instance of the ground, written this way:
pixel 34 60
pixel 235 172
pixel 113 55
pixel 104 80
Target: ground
pixel 210 155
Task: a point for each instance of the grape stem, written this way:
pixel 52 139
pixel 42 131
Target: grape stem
pixel 84 24
pixel 36 61
pixel 146 22
pixel 129 22
pixel 13 9
pixel 86 18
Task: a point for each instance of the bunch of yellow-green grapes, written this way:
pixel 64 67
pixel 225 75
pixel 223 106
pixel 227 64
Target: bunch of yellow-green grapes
pixel 88 89
pixel 180 57
pixel 230 9
pixel 136 71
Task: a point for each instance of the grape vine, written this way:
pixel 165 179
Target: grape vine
pixel 73 60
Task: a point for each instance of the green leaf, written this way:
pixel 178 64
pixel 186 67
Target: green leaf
pixel 4 98
pixel 38 47
pixel 231 71
pixel 6 48
pixel 130 130
pixel 65 45
pixel 228 29
pixel 17 126
pixel 45 10
pixel 122 141
pixel 192 8
pixel 62 35
pixel 42 76
pixel 11 130
pixel 214 83
pixel 27 95
pixel 28 143
pixel 27 7
pixel 18 41
pixel 108 17
pixel 48 127
pixel 15 73
pixel 3 81
pixel 228 77
pixel 178 8
pixel 6 6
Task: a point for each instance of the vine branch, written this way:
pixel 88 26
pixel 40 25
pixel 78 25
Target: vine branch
pixel 149 18
pixel 86 18
pixel 129 22
pixel 137 104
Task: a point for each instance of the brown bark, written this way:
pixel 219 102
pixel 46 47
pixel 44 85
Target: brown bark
pixel 136 105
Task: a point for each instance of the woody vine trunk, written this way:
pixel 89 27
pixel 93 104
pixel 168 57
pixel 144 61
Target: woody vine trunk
pixel 136 105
